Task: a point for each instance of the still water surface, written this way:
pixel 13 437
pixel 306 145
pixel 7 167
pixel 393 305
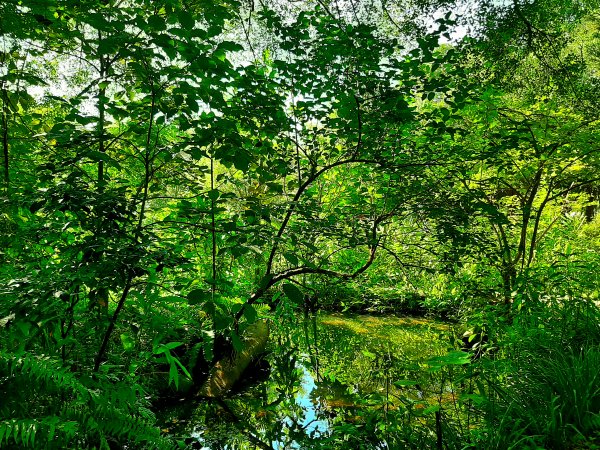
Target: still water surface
pixel 331 376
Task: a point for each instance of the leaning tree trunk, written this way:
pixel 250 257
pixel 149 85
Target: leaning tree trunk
pixel 228 370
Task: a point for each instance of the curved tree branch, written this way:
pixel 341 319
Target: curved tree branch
pixel 271 279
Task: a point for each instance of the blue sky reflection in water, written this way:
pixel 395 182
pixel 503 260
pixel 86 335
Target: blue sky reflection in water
pixel 310 423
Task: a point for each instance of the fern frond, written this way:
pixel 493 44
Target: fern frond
pixel 136 429
pixel 31 433
pixel 89 413
pixel 42 370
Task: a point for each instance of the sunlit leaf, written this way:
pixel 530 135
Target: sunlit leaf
pixel 127 341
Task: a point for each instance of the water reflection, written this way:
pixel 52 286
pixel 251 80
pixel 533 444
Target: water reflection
pixel 331 375
pixel 309 403
pixel 310 422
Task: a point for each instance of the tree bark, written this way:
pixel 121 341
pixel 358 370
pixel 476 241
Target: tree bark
pixel 228 370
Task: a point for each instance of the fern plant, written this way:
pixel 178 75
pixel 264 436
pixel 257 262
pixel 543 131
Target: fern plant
pixel 47 406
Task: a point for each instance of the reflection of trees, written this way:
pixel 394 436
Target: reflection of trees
pixel 353 363
pixel 365 361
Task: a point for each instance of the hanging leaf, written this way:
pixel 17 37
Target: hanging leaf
pixel 264 282
pixel 293 293
pixel 230 46
pixel 291 258
pixel 242 161
pixel 198 296
pixel 173 375
pixel 213 194
pixel 186 20
pixel 237 343
pixel 250 313
pixel 127 341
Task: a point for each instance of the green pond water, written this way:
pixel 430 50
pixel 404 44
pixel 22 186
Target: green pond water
pixel 333 379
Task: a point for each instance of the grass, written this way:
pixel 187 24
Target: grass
pixel 549 394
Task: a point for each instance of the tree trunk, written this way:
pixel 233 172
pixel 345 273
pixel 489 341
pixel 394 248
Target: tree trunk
pixel 228 370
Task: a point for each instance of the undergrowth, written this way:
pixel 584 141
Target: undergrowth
pixel 45 405
pixel 547 395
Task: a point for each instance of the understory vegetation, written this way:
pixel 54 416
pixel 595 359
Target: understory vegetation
pixel 203 202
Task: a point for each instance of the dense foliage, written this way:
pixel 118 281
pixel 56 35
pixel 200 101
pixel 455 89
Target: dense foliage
pixel 174 171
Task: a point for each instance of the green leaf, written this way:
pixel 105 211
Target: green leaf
pixel 186 20
pixel 24 327
pixel 157 23
pixel 198 296
pixel 207 346
pixel 293 293
pixel 222 321
pixel 230 226
pixel 230 46
pixel 250 313
pixel 173 375
pixel 369 354
pixel 51 431
pixel 171 299
pixel 183 369
pixel 213 194
pixel 166 348
pixel 127 341
pixel 33 79
pixel 431 409
pixel 264 282
pixel 291 258
pixel 455 357
pixel 242 161
pixel 478 400
pixel 237 343
pixel 239 250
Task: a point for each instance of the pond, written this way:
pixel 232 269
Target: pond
pixel 335 381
